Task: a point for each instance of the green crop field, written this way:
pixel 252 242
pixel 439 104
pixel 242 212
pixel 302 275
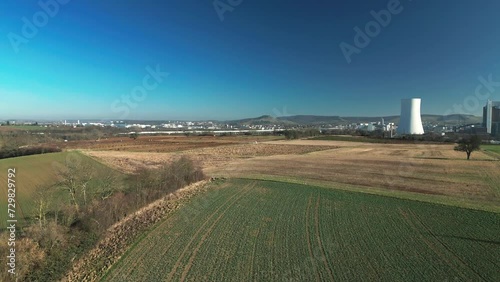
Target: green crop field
pixel 491 148
pixel 251 230
pixel 32 173
pixel 24 128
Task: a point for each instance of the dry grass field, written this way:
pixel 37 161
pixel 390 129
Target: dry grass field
pixel 414 168
pixel 162 144
pixel 208 157
pixel 7 129
pixel 417 169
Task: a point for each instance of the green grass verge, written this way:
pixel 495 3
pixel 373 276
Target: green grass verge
pixel 492 148
pixel 436 199
pixel 376 140
pixel 35 172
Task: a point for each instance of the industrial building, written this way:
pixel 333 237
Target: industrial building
pixel 491 118
pixel 410 121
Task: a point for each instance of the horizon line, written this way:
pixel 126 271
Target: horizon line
pixel 220 120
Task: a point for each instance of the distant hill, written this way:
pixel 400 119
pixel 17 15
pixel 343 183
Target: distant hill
pixel 452 119
pixel 310 119
pixel 262 120
pixel 336 120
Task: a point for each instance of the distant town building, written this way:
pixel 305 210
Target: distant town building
pixel 491 118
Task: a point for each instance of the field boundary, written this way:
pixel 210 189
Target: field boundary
pixel 97 262
pixel 112 167
pixel 410 196
pixel 492 154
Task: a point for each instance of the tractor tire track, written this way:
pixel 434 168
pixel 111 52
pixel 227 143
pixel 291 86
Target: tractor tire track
pixel 209 231
pixel 427 229
pixel 318 238
pixel 185 250
pixel 308 236
pixel 432 246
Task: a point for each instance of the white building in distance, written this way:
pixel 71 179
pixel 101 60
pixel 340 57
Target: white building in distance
pixel 410 120
pixel 491 117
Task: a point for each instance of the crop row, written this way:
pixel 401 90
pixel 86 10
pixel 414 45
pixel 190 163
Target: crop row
pixel 272 231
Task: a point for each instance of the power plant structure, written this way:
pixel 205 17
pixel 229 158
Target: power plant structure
pixel 410 121
pixel 491 118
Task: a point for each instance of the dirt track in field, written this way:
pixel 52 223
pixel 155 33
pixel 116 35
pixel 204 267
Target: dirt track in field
pixel 427 169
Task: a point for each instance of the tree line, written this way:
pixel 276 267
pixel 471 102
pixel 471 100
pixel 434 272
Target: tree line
pixel 70 216
pixel 26 151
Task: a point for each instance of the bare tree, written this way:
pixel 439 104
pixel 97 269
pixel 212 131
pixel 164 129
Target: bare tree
pixel 469 145
pixel 75 179
pixel 108 185
pixel 43 201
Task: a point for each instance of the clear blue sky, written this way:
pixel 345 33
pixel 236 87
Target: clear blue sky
pixel 267 57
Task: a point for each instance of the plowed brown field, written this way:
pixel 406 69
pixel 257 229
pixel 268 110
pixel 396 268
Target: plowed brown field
pixel 162 144
pixel 211 157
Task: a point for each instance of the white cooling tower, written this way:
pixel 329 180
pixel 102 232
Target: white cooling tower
pixel 410 121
